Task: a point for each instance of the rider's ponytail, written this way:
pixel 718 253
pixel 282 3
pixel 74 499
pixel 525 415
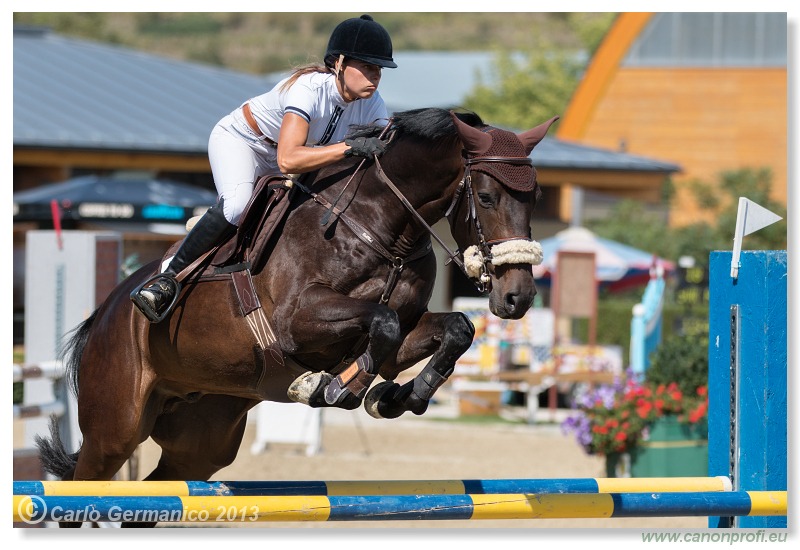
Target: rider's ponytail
pixel 300 71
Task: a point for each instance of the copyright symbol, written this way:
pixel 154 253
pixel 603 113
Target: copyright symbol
pixel 31 510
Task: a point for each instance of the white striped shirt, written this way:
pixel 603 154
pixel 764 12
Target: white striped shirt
pixel 314 97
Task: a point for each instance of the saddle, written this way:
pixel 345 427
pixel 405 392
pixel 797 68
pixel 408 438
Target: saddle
pixel 245 252
pixel 249 247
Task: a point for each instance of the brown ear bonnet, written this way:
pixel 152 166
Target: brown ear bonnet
pixel 519 177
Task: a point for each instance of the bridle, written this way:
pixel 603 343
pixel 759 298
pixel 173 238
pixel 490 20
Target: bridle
pixel 479 259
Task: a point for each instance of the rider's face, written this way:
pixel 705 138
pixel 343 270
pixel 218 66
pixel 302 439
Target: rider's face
pixel 361 79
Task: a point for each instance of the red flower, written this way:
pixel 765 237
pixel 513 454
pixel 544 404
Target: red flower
pixel 698 414
pixel 619 427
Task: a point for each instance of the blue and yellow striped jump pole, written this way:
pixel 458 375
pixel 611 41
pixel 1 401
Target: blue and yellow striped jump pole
pixel 356 488
pixel 35 509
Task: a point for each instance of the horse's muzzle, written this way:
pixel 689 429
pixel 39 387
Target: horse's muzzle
pixel 513 290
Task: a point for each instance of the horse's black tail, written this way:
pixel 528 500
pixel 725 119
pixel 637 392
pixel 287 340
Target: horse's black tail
pixel 55 458
pixel 72 352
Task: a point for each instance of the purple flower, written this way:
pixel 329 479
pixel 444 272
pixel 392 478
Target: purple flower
pixel 580 426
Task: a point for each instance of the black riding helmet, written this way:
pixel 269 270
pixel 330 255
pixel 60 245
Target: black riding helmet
pixel 361 38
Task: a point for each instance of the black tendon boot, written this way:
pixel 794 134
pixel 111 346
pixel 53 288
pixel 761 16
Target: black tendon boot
pixel 156 297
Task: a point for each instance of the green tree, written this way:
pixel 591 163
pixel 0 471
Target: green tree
pixel 537 82
pixel 528 88
pixel 630 223
pixel 590 28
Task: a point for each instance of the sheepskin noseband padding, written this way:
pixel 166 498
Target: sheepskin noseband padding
pixel 518 251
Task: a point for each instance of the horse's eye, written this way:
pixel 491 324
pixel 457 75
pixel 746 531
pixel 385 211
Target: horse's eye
pixel 486 199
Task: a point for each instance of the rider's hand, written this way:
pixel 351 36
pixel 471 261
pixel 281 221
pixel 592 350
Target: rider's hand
pixel 364 147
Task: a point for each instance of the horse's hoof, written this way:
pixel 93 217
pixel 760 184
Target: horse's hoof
pixel 350 403
pixel 307 387
pixel 378 407
pixel 416 405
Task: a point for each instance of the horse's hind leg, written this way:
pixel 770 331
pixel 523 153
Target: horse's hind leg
pixel 112 424
pixel 197 439
pixel 200 438
pixel 448 336
pixel 111 436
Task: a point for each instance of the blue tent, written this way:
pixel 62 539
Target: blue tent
pixel 618 266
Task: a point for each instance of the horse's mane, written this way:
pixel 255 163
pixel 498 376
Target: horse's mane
pixel 428 124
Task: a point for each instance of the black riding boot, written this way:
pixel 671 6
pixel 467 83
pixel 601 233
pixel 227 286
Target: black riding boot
pixel 156 299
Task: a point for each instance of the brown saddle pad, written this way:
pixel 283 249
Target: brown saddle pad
pixel 250 246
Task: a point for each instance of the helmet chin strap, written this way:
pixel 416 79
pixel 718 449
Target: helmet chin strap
pixel 337 67
pixel 337 70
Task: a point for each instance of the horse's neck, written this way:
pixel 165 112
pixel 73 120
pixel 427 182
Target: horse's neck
pixel 428 182
pixel 425 176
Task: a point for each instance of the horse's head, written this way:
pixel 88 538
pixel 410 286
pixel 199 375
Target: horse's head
pixel 490 217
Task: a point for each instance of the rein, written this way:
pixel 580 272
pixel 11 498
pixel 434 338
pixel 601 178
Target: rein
pixel 397 263
pixel 452 256
pixel 478 259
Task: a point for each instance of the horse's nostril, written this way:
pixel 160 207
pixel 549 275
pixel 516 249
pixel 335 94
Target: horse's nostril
pixel 511 302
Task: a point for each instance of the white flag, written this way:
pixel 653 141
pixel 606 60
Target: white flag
pixel 755 216
pixel 750 218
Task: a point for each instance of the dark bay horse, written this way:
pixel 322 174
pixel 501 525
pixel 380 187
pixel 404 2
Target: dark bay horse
pixel 353 292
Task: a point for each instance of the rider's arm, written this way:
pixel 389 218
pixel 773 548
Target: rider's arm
pixel 294 157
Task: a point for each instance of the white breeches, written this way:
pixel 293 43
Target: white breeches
pixel 237 161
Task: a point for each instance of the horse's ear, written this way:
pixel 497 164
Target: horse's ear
pixel 532 137
pixel 475 142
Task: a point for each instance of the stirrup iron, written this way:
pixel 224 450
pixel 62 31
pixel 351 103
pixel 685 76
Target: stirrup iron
pixel 145 308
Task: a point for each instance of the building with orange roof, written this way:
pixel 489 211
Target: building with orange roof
pixel 707 91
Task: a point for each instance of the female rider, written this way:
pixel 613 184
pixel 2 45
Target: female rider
pixel 296 127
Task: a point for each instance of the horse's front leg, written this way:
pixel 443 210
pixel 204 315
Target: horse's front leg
pixel 446 335
pixel 327 320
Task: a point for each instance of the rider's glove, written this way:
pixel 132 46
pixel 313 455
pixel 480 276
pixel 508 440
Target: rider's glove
pixel 364 147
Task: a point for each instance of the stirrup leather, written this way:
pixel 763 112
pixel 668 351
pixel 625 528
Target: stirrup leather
pixel 152 315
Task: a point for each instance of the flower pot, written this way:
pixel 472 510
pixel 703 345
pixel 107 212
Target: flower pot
pixel 618 465
pixel 673 449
